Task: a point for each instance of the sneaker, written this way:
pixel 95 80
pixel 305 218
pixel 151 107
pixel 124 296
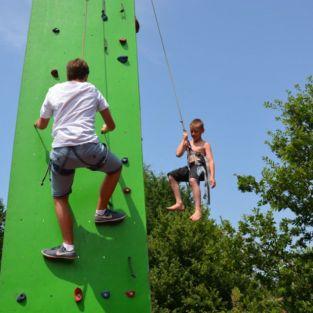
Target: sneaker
pixel 109 216
pixel 59 252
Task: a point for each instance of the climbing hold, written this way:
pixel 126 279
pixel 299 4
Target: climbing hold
pixel 55 73
pixel 125 160
pixel 130 293
pixel 137 25
pixel 104 16
pixel 123 59
pixel 21 298
pixel 122 10
pixel 78 293
pixel 126 190
pixel 56 30
pixel 123 41
pixel 105 294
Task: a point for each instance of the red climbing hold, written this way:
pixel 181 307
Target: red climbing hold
pixel 123 41
pixel 127 190
pixel 130 293
pixel 55 73
pixel 78 293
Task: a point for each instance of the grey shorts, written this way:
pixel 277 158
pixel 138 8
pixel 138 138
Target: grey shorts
pixel 65 160
pixel 183 174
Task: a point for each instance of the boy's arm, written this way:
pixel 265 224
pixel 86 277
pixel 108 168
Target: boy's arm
pixel 108 120
pixel 182 146
pixel 42 123
pixel 46 112
pixel 211 165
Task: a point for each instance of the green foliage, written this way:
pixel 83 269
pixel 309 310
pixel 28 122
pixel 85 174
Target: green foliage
pixel 205 267
pixel 286 182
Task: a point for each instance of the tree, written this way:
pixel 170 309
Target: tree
pixel 287 180
pixel 201 267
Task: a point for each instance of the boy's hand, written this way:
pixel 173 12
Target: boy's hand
pixel 104 129
pixel 212 182
pixel 185 135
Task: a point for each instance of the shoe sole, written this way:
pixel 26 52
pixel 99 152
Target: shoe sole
pixel 58 257
pixel 110 221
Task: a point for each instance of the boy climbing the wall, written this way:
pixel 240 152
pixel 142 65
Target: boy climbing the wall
pixel 200 165
pixel 73 105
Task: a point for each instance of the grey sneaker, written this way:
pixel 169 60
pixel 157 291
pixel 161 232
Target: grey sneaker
pixel 59 253
pixel 109 216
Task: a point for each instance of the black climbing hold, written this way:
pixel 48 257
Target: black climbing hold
pixel 127 190
pixel 105 294
pixel 130 293
pixel 122 10
pixel 123 41
pixel 123 59
pixel 137 25
pixel 104 16
pixel 78 295
pixel 55 73
pixel 21 298
pixel 56 30
pixel 125 160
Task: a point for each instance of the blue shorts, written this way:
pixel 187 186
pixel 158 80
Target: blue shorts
pixel 65 160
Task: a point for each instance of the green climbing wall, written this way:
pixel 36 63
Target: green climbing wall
pixel 104 251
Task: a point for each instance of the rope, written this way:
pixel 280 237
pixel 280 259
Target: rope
pixel 84 30
pixel 169 68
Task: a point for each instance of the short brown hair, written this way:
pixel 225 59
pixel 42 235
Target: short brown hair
pixel 196 123
pixel 77 69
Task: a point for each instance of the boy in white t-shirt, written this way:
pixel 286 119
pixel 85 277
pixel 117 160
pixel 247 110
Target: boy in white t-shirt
pixel 73 106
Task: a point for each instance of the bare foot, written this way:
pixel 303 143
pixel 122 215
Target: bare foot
pixel 196 216
pixel 176 206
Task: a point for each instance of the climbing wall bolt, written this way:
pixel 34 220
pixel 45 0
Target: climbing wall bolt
pixel 123 59
pixel 123 41
pixel 105 294
pixel 21 298
pixel 127 190
pixel 130 293
pixel 56 30
pixel 104 16
pixel 78 294
pixel 55 73
pixel 125 160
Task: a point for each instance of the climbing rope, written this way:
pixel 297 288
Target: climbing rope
pixel 84 29
pixel 169 68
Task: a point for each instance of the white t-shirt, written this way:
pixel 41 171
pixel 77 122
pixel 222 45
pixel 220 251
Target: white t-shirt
pixel 74 106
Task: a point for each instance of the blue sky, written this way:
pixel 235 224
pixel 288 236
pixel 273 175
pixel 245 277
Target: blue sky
pixel 228 57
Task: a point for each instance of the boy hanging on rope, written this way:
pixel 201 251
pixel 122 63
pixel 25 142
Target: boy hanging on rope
pixel 73 105
pixel 200 164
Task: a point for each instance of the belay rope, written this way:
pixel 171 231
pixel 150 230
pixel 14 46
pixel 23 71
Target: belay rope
pixel 177 100
pixel 47 157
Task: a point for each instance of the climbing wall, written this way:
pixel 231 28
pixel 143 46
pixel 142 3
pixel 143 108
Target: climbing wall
pixel 112 259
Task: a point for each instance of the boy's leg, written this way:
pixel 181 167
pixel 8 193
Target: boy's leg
pixel 64 216
pixel 175 188
pixel 107 189
pixel 197 199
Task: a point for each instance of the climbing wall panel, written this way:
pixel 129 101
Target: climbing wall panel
pixel 111 258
